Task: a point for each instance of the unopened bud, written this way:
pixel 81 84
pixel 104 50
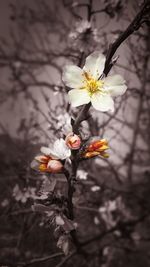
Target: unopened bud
pixel 54 166
pixel 73 141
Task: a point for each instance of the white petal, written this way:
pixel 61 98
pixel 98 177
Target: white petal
pixel 48 152
pixel 79 97
pixel 116 90
pixel 73 76
pixel 102 102
pixel 114 80
pixel 95 64
pixel 45 150
pixel 40 158
pixel 59 144
pixel 61 149
pixel 115 85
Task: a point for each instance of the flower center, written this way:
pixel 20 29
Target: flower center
pixel 91 84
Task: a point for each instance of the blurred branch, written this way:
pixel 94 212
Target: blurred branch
pixel 42 259
pixel 100 236
pixel 139 110
pixel 120 226
pixel 134 26
pixel 65 259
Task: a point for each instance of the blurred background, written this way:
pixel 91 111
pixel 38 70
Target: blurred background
pixel 111 201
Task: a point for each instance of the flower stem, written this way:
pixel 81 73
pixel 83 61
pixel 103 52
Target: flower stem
pixel 81 117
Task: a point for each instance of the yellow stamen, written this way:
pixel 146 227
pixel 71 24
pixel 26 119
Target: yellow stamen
pixel 91 84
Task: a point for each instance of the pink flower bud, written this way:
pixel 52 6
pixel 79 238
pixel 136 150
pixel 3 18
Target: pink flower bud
pixel 73 141
pixel 54 166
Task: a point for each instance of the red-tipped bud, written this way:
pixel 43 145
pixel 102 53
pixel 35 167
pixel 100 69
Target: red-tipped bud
pixel 54 166
pixel 96 148
pixel 73 141
pixel 45 163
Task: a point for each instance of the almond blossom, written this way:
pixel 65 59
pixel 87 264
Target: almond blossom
pixel 45 163
pixel 50 160
pixel 90 85
pixel 59 150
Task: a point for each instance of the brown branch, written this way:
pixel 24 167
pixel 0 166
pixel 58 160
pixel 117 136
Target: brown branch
pixel 81 116
pixel 71 179
pixel 70 194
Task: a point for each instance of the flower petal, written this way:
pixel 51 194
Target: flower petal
pixel 54 166
pixel 116 90
pixel 73 76
pixel 104 154
pixel 79 97
pixel 114 80
pixel 48 152
pixel 102 102
pixel 90 154
pixel 115 85
pixel 61 149
pixel 95 64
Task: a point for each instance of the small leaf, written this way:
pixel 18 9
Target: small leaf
pixel 63 243
pixel 68 225
pixel 59 220
pixel 48 185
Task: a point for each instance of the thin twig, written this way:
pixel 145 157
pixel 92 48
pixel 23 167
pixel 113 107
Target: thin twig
pixel 66 259
pixel 42 259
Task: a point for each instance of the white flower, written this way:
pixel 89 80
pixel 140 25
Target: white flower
pixel 23 195
pixel 64 120
pixel 96 220
pixel 95 188
pixel 82 26
pixel 5 203
pixel 82 175
pixel 59 150
pixel 88 87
